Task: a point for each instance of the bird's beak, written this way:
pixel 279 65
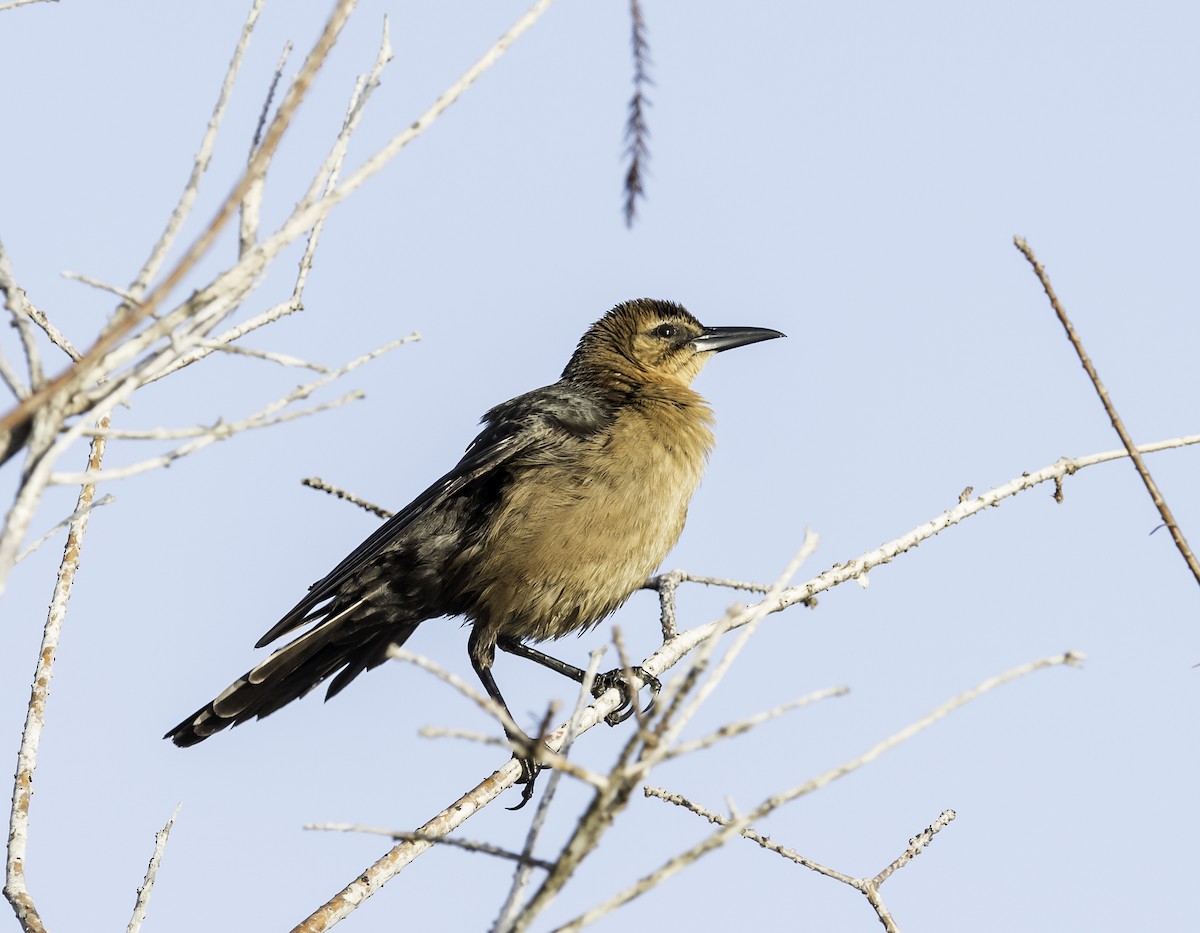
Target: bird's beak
pixel 716 339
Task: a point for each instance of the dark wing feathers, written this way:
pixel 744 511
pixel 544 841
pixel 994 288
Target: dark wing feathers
pixel 512 431
pixel 378 595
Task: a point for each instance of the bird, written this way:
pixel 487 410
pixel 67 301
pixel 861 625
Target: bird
pixel 565 503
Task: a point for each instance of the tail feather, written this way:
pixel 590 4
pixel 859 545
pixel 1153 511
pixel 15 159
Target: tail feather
pixel 291 672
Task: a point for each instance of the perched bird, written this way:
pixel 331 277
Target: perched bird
pixel 569 498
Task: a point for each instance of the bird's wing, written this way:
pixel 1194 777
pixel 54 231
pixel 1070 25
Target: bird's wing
pixel 528 424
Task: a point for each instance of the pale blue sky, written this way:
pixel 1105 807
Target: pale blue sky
pixel 851 174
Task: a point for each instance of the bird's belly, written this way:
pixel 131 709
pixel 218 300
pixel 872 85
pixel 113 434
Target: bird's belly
pixel 577 542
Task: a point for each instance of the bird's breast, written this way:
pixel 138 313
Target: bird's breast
pixel 580 530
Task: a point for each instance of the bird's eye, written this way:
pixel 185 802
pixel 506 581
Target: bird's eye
pixel 666 331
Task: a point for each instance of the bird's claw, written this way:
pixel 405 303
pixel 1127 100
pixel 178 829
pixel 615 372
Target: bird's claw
pixel 530 769
pixel 616 678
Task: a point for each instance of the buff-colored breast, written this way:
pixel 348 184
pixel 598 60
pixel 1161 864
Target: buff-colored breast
pixel 579 536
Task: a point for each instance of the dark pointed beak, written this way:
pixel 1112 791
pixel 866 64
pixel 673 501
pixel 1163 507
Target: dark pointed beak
pixel 716 339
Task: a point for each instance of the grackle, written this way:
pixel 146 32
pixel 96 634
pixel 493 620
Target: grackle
pixel 565 503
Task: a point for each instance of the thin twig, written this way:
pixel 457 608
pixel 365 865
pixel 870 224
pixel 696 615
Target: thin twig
pixel 281 358
pixel 201 160
pixel 13 4
pixel 252 202
pixel 315 482
pixel 144 892
pixel 123 323
pixel 551 757
pixel 730 730
pixel 21 309
pixel 383 870
pixel 509 909
pixel 468 735
pixel 124 294
pixel 467 845
pixel 869 887
pixel 14 293
pixel 734 827
pixel 682 576
pixel 642 752
pixel 264 417
pixel 220 431
pixel 1118 425
pixel 748 833
pixel 328 174
pixel 916 846
pixel 103 500
pixel 308 214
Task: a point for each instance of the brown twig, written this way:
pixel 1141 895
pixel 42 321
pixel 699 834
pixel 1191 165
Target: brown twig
pixel 1118 425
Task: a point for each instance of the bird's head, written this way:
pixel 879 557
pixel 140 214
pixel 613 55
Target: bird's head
pixel 648 340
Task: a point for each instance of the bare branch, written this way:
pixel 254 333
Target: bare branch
pixel 144 892
pixel 124 294
pixel 442 732
pixel 730 730
pixel 1118 425
pixel 551 757
pixel 21 309
pixel 485 703
pixel 754 836
pixel 103 500
pixel 15 889
pixel 328 174
pixel 205 437
pixel 640 754
pixel 201 161
pixel 509 909
pixel 869 887
pixel 13 4
pixel 19 302
pixel 916 846
pixel 308 214
pixel 252 203
pixel 735 827
pixel 265 417
pixel 885 553
pixel 393 862
pixel 128 318
pixel 677 577
pixel 281 358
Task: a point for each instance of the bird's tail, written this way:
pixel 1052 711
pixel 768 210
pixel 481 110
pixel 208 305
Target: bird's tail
pixel 291 672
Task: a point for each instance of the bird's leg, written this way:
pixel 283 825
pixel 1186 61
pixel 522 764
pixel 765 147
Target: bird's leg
pixel 482 652
pixel 602 682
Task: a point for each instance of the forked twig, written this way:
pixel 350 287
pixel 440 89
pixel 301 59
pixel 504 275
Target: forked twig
pixel 736 826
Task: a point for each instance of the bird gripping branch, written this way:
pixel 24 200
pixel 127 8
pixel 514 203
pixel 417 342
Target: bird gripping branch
pixel 569 498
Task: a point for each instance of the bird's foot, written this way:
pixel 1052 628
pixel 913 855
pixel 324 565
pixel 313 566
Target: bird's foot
pixel 526 756
pixel 616 678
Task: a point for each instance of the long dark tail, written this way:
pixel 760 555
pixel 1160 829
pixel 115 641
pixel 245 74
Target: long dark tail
pixel 293 671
